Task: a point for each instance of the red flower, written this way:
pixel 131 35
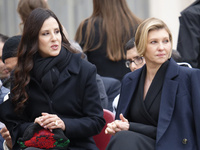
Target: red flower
pixel 42 139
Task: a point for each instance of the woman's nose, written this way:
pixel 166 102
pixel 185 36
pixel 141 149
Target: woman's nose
pixel 53 36
pixel 161 46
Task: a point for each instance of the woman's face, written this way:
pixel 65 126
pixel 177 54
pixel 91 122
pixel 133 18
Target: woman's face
pixel 158 47
pixel 49 38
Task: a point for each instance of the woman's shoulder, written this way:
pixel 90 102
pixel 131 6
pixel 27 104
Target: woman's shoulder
pixel 80 63
pixel 187 75
pixel 189 71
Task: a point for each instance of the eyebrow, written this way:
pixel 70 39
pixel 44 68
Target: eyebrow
pixel 45 30
pixel 134 57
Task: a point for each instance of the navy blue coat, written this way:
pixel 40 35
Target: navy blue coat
pixel 75 100
pixel 179 116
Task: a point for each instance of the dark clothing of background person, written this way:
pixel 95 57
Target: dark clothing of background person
pixel 3 92
pixel 112 87
pixel 75 96
pixel 178 112
pixel 189 34
pixel 105 66
pixel 102 92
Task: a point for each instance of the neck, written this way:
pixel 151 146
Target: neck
pixel 151 72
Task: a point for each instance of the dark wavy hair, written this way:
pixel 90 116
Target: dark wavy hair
pixel 28 47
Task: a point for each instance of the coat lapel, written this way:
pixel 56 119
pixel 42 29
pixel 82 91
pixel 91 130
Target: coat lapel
pixel 73 67
pixel 167 99
pixel 128 87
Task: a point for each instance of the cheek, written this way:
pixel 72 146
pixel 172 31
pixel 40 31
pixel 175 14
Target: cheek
pixel 169 49
pixel 43 42
pixel 148 52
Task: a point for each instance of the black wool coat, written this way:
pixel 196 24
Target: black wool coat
pixel 75 100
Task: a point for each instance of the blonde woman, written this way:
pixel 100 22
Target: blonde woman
pixel 159 103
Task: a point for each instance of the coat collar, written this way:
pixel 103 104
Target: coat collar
pixel 75 63
pixel 167 99
pixel 72 68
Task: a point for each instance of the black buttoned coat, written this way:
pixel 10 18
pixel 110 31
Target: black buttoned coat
pixel 75 99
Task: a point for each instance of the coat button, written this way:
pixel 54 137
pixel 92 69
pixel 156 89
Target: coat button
pixel 184 141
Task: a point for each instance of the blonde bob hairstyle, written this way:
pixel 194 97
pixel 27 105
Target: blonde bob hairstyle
pixel 143 30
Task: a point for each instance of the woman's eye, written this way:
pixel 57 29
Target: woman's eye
pixel 166 41
pixel 45 33
pixel 57 31
pixel 153 42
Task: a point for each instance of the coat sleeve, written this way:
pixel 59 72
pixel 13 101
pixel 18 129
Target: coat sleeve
pixel 15 124
pixel 92 122
pixel 195 89
pixel 144 129
pixel 189 38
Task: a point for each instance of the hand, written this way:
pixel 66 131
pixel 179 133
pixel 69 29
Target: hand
pixel 50 121
pixel 117 125
pixel 6 135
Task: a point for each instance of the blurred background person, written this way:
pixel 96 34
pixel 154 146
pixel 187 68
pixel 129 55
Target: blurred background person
pixel 4 82
pixel 103 35
pixel 25 7
pixel 3 92
pixel 189 35
pixel 4 73
pixel 9 57
pixel 133 61
pixel 177 57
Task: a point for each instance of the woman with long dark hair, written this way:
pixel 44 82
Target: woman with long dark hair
pixel 52 86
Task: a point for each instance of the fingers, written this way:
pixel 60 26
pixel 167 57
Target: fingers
pixel 109 131
pixel 50 121
pixel 3 130
pixel 5 133
pixel 123 118
pixel 117 125
pixel 112 128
